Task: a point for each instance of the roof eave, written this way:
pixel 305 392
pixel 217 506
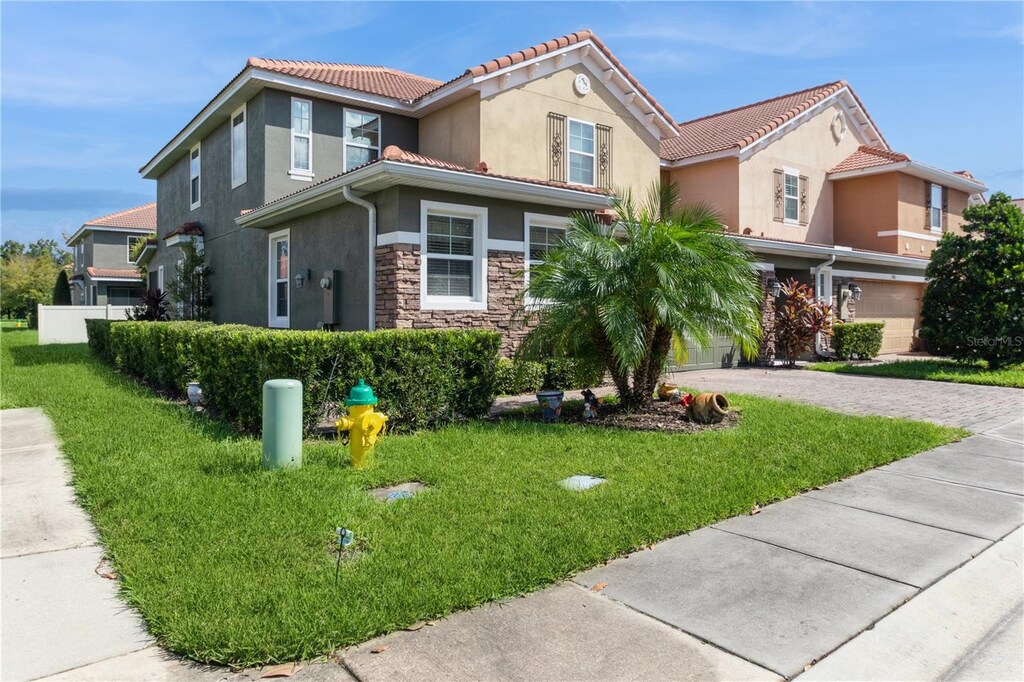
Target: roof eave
pixel 105 228
pixel 844 253
pixel 917 169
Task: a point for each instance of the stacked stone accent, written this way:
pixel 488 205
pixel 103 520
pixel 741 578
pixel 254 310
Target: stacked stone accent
pixel 766 352
pixel 398 295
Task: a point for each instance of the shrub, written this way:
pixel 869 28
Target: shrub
pixel 973 308
pixel 422 377
pixel 572 373
pixel 799 320
pixel 860 340
pixel 513 377
pixel 99 338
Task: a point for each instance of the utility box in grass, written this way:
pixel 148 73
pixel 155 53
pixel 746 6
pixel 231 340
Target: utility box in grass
pixel 282 424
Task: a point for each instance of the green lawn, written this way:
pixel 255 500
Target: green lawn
pixel 231 564
pixel 932 370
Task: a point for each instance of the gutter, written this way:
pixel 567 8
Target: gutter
pixel 371 236
pixel 819 345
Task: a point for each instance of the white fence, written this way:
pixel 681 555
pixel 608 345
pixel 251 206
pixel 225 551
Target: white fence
pixel 66 323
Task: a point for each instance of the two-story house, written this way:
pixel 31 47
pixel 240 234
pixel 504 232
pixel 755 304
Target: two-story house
pixel 808 182
pixel 104 269
pixel 359 197
pixel 350 197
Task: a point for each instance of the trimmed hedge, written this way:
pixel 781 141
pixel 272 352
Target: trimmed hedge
pixel 423 378
pixel 857 340
pixel 515 377
pixel 99 338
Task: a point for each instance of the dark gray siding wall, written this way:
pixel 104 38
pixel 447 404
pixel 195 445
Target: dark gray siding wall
pixel 235 255
pixel 328 140
pixel 504 218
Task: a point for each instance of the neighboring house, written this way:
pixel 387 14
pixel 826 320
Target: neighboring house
pixel 104 271
pixel 1019 203
pixel 810 185
pixel 352 197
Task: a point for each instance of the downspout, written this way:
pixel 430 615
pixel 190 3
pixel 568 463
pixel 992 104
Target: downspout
pixel 819 346
pixel 371 231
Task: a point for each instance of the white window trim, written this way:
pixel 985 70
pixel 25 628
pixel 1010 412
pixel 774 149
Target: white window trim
pixel 346 145
pixel 540 219
pixel 936 229
pixel 160 278
pixel 128 245
pixel 568 152
pixel 795 173
pixel 236 182
pixel 299 173
pixel 198 146
pixel 273 320
pixel 479 217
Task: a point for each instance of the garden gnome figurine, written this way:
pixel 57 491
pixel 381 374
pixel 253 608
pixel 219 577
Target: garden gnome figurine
pixel 589 404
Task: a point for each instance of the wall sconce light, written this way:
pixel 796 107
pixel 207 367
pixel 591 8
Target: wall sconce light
pixel 855 290
pixel 774 288
pixel 300 278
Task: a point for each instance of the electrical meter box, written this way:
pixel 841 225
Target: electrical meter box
pixel 331 285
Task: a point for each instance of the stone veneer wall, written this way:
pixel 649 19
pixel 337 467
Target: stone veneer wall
pixel 766 352
pixel 398 295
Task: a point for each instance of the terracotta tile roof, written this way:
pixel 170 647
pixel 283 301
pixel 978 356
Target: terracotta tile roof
pixel 190 229
pixel 737 128
pixel 138 218
pixel 394 153
pixel 1019 203
pixel 557 44
pixel 868 157
pixel 376 80
pixel 120 274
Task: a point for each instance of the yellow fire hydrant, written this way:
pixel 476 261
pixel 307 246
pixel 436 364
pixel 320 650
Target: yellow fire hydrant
pixel 362 424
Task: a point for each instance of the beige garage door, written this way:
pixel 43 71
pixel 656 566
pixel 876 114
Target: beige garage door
pixel 898 305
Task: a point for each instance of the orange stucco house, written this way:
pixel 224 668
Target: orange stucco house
pixel 809 184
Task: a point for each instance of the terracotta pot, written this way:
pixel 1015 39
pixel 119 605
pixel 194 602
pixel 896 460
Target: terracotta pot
pixel 709 408
pixel 665 389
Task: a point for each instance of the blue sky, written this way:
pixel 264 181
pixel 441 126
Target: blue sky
pixel 90 92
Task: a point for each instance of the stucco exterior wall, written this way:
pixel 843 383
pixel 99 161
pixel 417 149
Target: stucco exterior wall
pixel 110 250
pixel 810 149
pixel 453 133
pixel 513 129
pixel 715 183
pixel 864 207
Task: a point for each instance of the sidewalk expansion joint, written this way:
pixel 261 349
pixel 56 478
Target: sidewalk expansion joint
pixel 810 494
pixel 944 480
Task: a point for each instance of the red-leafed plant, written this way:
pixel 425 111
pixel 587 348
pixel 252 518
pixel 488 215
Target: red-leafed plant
pixel 799 320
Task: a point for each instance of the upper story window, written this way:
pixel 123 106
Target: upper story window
pixel 302 137
pixel 792 197
pixel 132 241
pixel 80 255
pixel 935 211
pixel 238 150
pixel 362 138
pixel 452 269
pixel 581 152
pixel 194 170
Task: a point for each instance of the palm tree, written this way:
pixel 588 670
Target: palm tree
pixel 624 295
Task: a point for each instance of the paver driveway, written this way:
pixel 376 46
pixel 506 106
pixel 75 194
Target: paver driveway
pixel 978 408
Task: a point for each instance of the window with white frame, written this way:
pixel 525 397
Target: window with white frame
pixel 238 148
pixel 132 241
pixel 195 166
pixel 453 266
pixel 581 152
pixel 936 203
pixel 302 137
pixel 278 293
pixel 792 197
pixel 542 233
pixel 160 279
pixel 362 138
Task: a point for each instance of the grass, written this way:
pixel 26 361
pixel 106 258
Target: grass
pixel 231 564
pixel 932 370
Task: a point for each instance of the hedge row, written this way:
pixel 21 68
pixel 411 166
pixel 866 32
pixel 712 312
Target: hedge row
pixel 515 377
pixel 857 340
pixel 423 377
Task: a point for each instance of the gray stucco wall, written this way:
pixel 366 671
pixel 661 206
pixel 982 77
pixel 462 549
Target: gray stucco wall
pixel 108 250
pixel 328 140
pixel 235 255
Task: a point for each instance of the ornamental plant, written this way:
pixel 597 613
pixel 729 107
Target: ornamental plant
pixel 152 307
pixel 623 295
pixel 799 320
pixel 974 305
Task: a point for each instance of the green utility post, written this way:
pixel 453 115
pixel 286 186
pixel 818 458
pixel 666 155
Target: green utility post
pixel 282 424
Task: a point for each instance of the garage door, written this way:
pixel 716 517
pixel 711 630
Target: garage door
pixel 722 353
pixel 898 305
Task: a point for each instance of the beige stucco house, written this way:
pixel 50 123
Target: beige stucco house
pixel 345 197
pixel 808 182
